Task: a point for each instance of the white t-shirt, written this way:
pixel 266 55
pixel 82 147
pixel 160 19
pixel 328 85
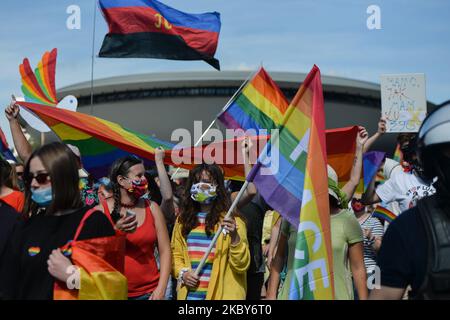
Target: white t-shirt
pixel 405 188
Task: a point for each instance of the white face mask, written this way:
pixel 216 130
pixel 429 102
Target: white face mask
pixel 203 192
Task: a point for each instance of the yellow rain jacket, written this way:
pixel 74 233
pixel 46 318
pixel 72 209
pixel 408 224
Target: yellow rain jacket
pixel 229 271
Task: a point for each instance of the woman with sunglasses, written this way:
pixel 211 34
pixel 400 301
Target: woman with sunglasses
pixel 144 225
pixel 52 213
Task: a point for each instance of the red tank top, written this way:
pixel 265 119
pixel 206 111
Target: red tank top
pixel 141 269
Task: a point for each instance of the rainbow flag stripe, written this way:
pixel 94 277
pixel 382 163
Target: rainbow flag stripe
pixel 295 183
pixel 39 87
pixel 398 156
pixel 259 105
pixel 198 243
pixel 384 214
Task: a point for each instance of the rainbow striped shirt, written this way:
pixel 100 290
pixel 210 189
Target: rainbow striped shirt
pixel 198 242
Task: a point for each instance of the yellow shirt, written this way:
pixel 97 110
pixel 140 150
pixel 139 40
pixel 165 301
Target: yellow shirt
pixel 229 271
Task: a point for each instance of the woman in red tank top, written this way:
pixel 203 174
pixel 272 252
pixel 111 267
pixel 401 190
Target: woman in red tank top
pixel 145 229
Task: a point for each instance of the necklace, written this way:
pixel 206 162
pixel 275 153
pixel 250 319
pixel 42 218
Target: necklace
pixel 128 206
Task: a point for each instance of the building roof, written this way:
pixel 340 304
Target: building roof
pixel 285 80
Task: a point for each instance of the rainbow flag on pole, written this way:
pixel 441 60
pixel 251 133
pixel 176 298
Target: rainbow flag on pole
pixel 291 175
pixel 259 105
pixel 384 214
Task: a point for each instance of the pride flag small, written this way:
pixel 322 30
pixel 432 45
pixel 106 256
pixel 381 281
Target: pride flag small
pixel 384 214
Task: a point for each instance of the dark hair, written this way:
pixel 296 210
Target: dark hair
pixel 5 174
pixel 190 208
pixel 153 189
pixel 61 165
pixel 120 167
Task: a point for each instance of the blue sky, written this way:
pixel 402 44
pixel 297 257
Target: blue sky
pixel 284 35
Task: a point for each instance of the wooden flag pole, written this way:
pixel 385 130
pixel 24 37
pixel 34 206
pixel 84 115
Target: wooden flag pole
pixel 216 236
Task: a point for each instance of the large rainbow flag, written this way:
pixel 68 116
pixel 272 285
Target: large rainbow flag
pixel 259 105
pixel 291 175
pixel 262 105
pixel 101 142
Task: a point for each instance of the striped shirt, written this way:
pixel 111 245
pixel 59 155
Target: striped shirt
pixel 198 242
pixel 370 255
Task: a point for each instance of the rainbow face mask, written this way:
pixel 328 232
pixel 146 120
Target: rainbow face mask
pixel 204 193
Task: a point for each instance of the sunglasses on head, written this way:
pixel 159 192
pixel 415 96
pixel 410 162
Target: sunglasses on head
pixel 41 178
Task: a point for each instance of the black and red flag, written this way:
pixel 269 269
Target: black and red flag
pixel 150 29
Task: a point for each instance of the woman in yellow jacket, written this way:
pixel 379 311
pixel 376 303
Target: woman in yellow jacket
pixel 223 276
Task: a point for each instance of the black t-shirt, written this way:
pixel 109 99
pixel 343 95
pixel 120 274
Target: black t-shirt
pixel 8 220
pixel 403 254
pixel 32 243
pixel 253 214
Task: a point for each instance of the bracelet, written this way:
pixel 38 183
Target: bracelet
pixel 181 274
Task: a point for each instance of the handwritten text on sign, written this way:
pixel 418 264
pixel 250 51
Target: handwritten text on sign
pixel 403 101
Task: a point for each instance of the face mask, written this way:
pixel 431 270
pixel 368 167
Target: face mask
pixel 203 193
pixel 357 206
pixel 43 197
pixel 139 187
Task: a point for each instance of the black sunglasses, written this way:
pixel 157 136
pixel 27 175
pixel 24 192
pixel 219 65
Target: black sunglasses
pixel 41 178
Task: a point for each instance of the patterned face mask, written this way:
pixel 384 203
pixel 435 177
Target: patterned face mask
pixel 203 192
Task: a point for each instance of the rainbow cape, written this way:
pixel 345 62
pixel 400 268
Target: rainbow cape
pixel 291 175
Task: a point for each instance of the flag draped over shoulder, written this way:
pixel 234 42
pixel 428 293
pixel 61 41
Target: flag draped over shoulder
pixel 150 29
pixel 291 175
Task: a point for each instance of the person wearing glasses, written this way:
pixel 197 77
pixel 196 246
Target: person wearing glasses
pixel 89 195
pixel 52 213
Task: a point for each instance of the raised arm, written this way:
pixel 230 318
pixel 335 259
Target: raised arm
pixel 381 130
pixel 350 187
pixel 165 187
pixel 250 192
pixel 21 143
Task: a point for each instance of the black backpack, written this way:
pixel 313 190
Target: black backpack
pixel 436 221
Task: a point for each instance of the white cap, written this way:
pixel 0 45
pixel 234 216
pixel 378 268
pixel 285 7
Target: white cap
pixel 75 150
pixel 436 128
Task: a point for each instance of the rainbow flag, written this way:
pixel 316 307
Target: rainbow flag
pixel 291 175
pixel 259 105
pixel 398 156
pixel 39 87
pixel 101 142
pixel 384 214
pixel 372 161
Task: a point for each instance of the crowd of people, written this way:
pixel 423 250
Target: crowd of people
pixel 166 224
